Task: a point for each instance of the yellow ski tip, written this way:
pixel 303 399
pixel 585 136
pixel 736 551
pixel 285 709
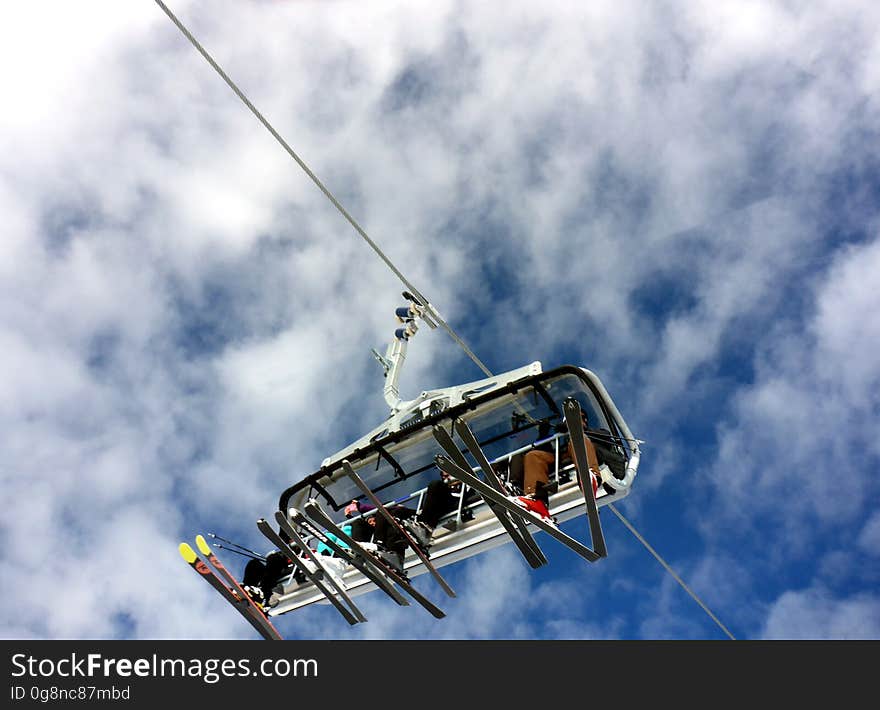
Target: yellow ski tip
pixel 187 553
pixel 203 545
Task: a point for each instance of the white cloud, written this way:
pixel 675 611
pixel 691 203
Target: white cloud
pixel 799 429
pixel 847 327
pixel 816 614
pixel 869 539
pixel 186 322
pixel 60 47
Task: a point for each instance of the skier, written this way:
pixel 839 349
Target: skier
pixel 260 578
pixel 537 464
pixel 440 499
pixel 325 549
pixel 378 535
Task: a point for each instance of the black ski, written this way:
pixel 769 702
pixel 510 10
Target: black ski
pixel 315 577
pixel 514 526
pixel 490 493
pixel 470 441
pixel 206 550
pixel 242 606
pixel 297 540
pixel 319 516
pixel 572 411
pixel 353 559
pixel 365 489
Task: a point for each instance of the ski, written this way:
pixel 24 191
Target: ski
pixel 572 411
pixel 470 441
pixel 314 576
pixel 240 605
pixel 314 557
pixel 354 560
pixel 352 474
pixel 514 526
pixel 206 550
pixel 490 493
pixel 319 516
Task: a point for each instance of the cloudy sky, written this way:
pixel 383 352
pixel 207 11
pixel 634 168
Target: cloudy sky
pixel 683 197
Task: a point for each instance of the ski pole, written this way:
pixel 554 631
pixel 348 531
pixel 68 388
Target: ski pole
pixel 238 552
pixel 240 547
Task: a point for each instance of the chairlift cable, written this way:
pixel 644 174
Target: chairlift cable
pixel 375 247
pixel 670 570
pixel 436 316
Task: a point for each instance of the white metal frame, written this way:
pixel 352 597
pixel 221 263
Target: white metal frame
pixel 480 534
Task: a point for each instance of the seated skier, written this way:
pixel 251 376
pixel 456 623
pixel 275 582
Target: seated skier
pixel 361 531
pixel 325 549
pixel 377 534
pixel 260 578
pixel 536 477
pixel 439 500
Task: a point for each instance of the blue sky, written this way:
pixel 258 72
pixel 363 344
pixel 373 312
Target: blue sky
pixel 682 197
